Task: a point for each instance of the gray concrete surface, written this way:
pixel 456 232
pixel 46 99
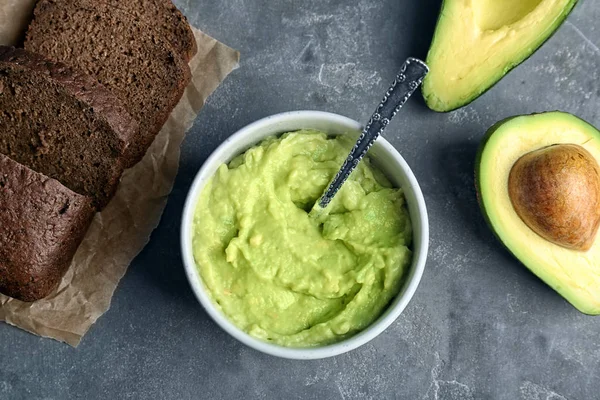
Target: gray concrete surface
pixel 480 326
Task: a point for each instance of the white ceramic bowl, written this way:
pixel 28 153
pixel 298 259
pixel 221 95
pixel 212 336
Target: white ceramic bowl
pixel 382 154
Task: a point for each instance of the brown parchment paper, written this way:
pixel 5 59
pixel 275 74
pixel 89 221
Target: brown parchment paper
pixel 121 231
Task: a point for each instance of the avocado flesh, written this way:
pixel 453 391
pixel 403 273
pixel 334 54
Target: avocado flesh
pixel 477 42
pixel 573 274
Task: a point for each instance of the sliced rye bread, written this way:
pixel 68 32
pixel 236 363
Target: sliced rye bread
pixel 164 15
pixel 63 124
pixel 129 57
pixel 42 223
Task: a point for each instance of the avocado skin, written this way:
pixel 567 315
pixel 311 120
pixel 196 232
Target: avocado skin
pixel 526 54
pixel 478 179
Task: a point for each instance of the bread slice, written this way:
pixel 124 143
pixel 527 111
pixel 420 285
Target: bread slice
pixel 63 124
pixel 164 15
pixel 42 223
pixel 130 58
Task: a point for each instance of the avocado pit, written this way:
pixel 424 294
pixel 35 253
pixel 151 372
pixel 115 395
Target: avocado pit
pixel 555 190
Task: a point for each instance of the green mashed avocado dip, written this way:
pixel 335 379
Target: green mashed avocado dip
pixel 284 276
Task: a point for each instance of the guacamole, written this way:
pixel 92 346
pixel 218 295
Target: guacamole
pixel 284 276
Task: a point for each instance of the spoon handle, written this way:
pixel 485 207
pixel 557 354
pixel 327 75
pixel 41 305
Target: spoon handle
pixel 407 81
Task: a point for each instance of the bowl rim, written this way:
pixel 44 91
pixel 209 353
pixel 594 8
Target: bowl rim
pixel 395 308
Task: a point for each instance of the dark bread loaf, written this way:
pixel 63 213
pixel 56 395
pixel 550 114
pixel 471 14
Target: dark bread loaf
pixel 165 16
pixel 63 124
pixel 127 56
pixel 42 224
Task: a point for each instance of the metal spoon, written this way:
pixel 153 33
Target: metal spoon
pixel 407 81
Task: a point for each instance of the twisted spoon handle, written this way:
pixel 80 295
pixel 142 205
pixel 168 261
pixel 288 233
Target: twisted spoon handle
pixel 407 81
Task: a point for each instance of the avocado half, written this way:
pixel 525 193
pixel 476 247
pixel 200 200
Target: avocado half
pixel 573 274
pixel 477 42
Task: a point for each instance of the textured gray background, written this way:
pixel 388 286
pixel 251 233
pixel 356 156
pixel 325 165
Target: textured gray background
pixel 479 327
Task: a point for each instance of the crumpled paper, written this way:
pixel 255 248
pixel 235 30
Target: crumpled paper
pixel 123 228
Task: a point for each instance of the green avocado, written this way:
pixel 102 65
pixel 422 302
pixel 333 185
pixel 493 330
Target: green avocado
pixel 286 277
pixel 573 274
pixel 477 42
